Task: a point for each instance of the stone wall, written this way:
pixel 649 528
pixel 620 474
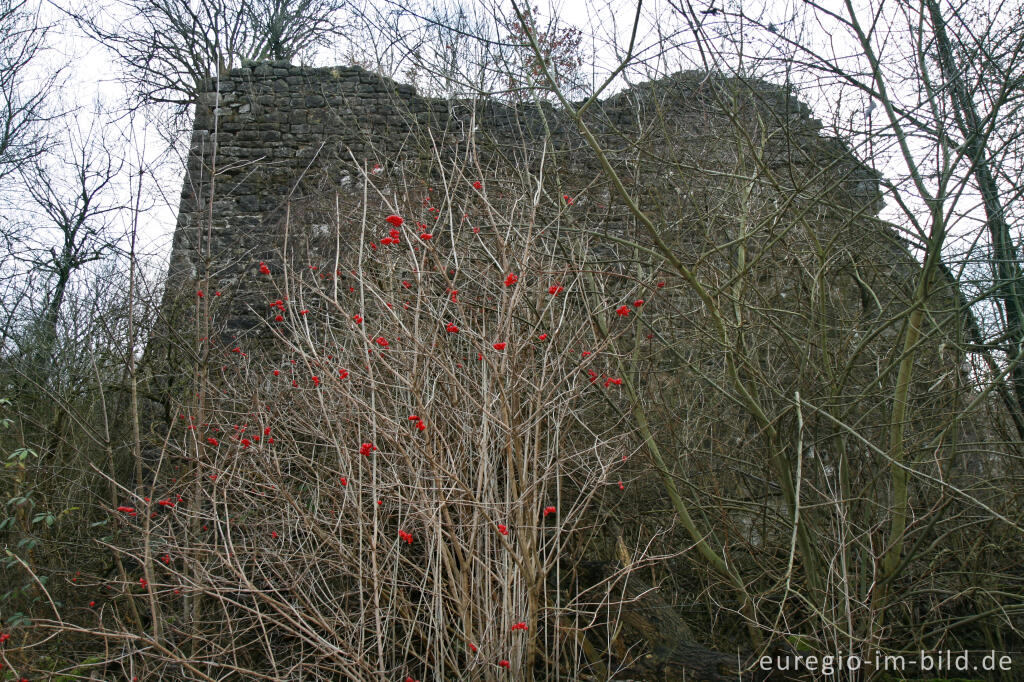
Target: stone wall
pixel 275 135
pixel 276 139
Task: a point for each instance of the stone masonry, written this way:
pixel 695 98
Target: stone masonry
pixel 274 135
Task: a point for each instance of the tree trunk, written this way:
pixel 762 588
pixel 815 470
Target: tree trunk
pixel 1005 264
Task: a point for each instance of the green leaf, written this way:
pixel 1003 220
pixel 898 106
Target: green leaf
pixel 19 619
pixel 802 644
pixel 27 543
pixel 21 454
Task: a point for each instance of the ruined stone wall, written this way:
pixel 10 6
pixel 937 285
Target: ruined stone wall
pixel 276 139
pixel 275 136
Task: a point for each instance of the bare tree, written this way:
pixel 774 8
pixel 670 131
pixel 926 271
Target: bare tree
pixel 23 117
pixel 453 49
pixel 22 102
pixel 168 48
pixel 71 220
pixel 968 52
pixel 558 56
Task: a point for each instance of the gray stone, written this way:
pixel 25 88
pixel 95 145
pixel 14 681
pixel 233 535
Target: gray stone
pixel 331 114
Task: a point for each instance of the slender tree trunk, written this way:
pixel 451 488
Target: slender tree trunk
pixel 1005 263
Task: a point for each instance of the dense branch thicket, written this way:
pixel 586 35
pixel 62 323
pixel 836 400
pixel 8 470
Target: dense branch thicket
pixel 639 387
